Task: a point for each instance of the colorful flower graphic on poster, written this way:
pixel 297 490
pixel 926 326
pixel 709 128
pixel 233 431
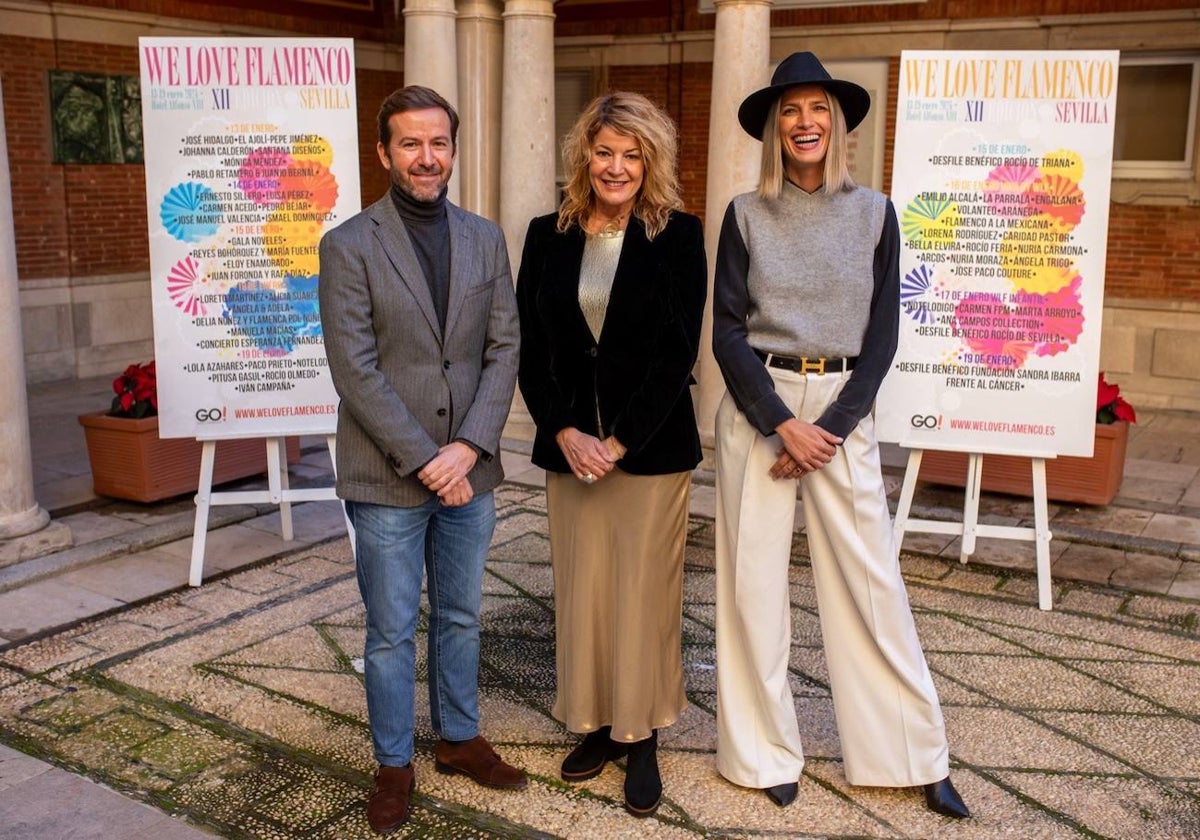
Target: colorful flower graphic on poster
pixel 1002 174
pixel 251 156
pixel 1018 228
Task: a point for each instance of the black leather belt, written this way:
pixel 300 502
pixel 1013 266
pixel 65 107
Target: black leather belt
pixel 804 364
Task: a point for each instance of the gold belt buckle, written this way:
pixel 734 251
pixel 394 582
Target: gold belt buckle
pixel 817 367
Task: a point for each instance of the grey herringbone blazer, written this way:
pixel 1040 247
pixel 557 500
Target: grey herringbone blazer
pixel 406 389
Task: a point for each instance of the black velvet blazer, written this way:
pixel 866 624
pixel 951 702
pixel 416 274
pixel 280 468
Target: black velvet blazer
pixel 633 383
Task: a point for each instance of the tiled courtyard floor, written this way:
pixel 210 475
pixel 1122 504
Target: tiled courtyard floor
pixel 238 706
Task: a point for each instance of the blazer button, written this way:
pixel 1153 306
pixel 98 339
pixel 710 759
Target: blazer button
pixel 441 412
pixel 592 351
pixel 446 365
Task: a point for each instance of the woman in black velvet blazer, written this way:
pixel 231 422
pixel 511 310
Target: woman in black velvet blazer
pixel 611 292
pixel 635 379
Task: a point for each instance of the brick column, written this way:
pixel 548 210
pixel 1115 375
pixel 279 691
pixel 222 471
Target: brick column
pixel 741 53
pixel 430 55
pixel 480 70
pixel 20 514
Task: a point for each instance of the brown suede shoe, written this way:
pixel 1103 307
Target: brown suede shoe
pixel 387 806
pixel 477 759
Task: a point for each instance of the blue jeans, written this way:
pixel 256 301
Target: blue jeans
pixel 393 546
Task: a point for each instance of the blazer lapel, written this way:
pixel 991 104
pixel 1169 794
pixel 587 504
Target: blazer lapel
pixel 460 264
pixel 567 262
pixel 634 262
pixel 393 237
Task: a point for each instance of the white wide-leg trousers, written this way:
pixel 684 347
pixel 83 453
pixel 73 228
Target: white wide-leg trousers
pixel 888 717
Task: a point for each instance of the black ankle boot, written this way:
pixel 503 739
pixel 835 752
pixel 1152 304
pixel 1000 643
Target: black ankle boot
pixel 590 755
pixel 942 798
pixel 643 785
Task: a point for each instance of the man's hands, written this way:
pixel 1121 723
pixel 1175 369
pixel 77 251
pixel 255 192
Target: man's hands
pixel 446 473
pixel 589 457
pixel 806 448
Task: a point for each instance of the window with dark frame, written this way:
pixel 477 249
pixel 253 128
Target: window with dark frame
pixel 1154 131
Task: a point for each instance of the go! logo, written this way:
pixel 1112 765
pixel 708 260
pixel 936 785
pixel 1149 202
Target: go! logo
pixel 926 421
pixel 210 415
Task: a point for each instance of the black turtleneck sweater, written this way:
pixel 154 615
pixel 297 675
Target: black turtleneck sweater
pixel 429 230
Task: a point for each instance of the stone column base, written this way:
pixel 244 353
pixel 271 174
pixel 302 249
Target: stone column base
pixel 50 539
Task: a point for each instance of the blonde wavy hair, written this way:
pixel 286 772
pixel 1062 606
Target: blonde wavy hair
pixel 837 156
pixel 634 116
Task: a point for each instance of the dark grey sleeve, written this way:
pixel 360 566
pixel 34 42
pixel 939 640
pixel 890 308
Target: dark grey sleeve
pixel 752 388
pixel 879 341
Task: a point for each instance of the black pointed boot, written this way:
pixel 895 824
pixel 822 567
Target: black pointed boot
pixel 942 798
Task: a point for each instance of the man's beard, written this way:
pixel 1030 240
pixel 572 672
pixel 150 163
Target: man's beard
pixel 407 186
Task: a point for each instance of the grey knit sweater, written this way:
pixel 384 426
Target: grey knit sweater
pixel 808 274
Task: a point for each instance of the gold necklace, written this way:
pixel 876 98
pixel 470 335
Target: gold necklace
pixel 612 227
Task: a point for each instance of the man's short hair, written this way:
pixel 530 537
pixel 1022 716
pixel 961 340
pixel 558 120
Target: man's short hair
pixel 414 98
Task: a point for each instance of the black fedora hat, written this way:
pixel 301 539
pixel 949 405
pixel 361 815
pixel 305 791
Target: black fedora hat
pixel 802 68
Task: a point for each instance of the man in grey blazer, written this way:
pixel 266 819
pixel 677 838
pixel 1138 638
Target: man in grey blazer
pixel 421 331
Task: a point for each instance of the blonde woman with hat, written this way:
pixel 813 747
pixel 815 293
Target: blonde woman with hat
pixel 805 322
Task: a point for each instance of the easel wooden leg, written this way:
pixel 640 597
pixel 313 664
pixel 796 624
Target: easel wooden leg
pixel 907 490
pixel 208 457
pixel 331 444
pixel 971 507
pixel 970 529
pixel 1041 522
pixel 277 483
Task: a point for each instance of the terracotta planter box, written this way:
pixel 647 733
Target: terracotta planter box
pixel 1087 481
pixel 130 461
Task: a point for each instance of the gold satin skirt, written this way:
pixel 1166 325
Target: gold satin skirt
pixel 616 548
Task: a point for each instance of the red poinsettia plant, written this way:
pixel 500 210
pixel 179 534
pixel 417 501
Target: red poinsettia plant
pixel 136 392
pixel 1110 405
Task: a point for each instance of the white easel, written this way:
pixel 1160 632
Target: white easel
pixel 277 493
pixel 969 529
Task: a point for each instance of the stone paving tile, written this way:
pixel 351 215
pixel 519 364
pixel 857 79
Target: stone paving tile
pixel 1090 600
pixel 991 737
pixel 89 526
pixel 920 543
pixel 1116 807
pixel 311 521
pixel 1146 572
pixel 1157 745
pixel 996 813
pixel 1152 490
pixel 238 706
pixel 45 604
pixel 1181 474
pixel 109 815
pixel 1089 563
pixel 1190 498
pixel 131 577
pixel 1187 582
pixel 1130 521
pixel 1003 554
pixel 1171 684
pixel 16 767
pixel 232 547
pixel 1168 526
pixel 1034 683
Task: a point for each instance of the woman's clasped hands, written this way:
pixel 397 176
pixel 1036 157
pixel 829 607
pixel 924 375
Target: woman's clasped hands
pixel 806 448
pixel 589 457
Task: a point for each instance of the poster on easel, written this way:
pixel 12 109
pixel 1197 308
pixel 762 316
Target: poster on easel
pixel 1001 180
pixel 251 152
